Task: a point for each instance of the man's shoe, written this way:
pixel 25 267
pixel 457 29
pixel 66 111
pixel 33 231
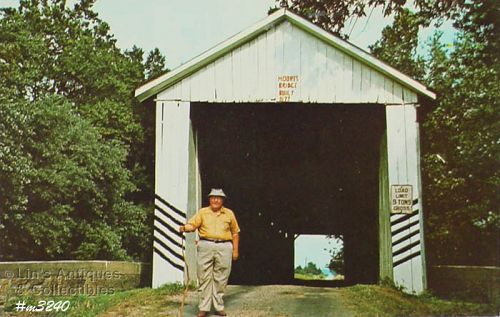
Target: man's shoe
pixel 201 313
pixel 221 313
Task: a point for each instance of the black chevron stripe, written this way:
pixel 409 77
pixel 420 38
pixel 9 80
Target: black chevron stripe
pixel 405 259
pixel 395 232
pixel 163 256
pixel 414 233
pixel 166 214
pixel 166 236
pixel 405 248
pixel 404 218
pixel 172 230
pixel 170 206
pixel 415 201
pixel 177 255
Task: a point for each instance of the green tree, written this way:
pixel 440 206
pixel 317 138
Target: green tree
pixel 332 15
pixel 309 269
pixel 462 155
pixel 337 255
pixel 398 45
pixel 155 64
pixel 49 49
pixel 62 186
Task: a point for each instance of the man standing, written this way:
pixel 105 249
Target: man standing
pixel 219 240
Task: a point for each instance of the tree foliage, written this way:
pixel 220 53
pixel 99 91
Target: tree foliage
pixel 310 269
pixel 462 155
pixel 461 132
pixel 337 263
pixel 76 165
pixel 398 45
pixel 332 15
pixel 51 49
pixel 62 186
pixel 155 64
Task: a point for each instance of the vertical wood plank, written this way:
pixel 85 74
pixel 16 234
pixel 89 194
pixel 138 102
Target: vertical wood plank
pixel 251 73
pixel 262 71
pixel 397 92
pixel 271 72
pixel 323 94
pixel 347 79
pixel 356 92
pixel 396 145
pixel 195 83
pixel 309 65
pixel 242 75
pixel 388 90
pixel 366 89
pixel 193 200
pixel 171 185
pixel 278 59
pixel 377 87
pixel 204 92
pixel 421 210
pixel 329 85
pixel 223 78
pixel 292 45
pixel 409 96
pixel 385 241
pixel 185 88
pixel 237 74
pixel 337 86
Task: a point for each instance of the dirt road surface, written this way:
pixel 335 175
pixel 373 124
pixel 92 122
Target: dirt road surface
pixel 277 300
pixel 301 301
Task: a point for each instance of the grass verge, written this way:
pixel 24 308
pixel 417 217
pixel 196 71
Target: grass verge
pixel 90 306
pixel 374 300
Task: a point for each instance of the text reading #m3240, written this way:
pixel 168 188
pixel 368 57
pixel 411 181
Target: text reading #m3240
pixel 43 305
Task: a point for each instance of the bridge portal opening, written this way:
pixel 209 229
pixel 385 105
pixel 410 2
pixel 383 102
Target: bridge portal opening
pixel 319 257
pixel 294 168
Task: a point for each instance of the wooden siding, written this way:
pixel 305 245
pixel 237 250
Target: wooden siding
pixel 384 221
pixel 251 72
pixel 194 204
pixel 171 190
pixel 403 162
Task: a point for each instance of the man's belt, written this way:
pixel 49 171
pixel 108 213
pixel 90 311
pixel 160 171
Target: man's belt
pixel 215 241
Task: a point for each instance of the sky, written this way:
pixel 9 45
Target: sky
pixel 183 29
pixel 311 248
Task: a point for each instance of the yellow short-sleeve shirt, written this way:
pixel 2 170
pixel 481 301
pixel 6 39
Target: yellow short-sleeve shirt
pixel 217 226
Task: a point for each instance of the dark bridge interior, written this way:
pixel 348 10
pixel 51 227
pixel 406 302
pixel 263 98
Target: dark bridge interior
pixel 294 169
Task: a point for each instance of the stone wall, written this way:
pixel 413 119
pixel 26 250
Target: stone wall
pixel 470 283
pixel 63 278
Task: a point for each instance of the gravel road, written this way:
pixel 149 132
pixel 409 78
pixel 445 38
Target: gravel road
pixel 277 300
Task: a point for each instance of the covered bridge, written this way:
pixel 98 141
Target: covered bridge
pixel 307 134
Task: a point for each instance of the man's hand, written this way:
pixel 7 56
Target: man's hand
pixel 186 228
pixel 236 246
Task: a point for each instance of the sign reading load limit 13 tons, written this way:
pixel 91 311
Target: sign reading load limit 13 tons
pixel 401 202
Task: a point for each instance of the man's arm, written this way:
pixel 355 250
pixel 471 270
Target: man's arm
pixel 187 228
pixel 192 224
pixel 236 244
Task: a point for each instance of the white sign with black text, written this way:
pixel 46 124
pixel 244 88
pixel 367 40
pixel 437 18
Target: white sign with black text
pixel 401 199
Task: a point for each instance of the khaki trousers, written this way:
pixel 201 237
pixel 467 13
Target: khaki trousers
pixel 214 267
